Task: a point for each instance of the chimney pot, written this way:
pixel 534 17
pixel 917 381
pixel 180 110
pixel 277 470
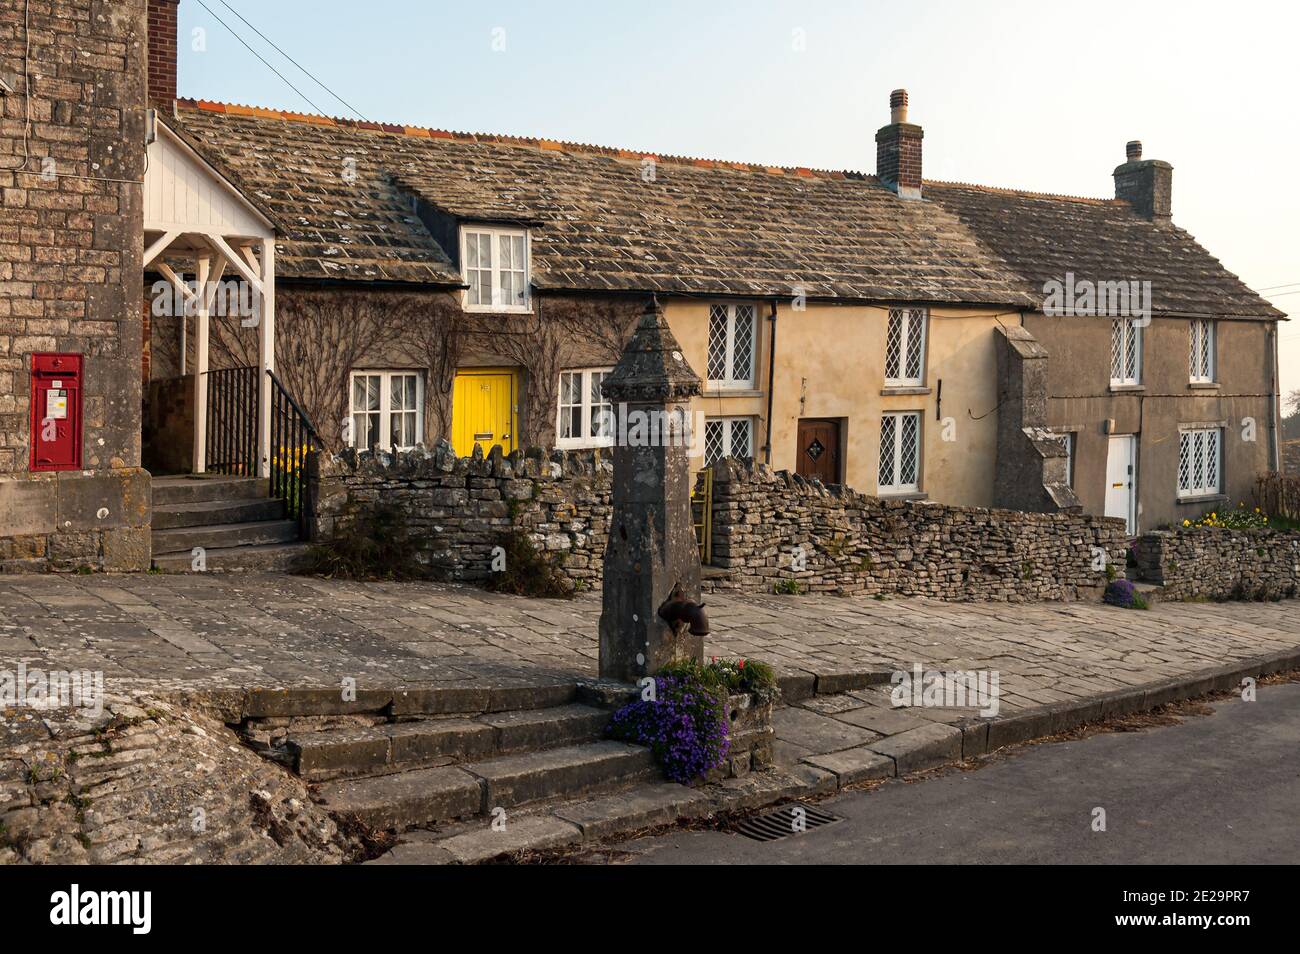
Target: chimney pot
pixel 898 106
pixel 1133 150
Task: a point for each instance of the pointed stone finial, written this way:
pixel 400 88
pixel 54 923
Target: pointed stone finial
pixel 652 368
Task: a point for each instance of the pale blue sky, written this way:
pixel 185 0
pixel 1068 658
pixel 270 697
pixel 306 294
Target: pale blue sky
pixel 1033 95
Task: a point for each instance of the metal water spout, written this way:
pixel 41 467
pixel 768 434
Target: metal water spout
pixel 677 609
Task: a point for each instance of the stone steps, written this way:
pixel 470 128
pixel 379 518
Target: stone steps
pixel 235 521
pixel 253 533
pixel 432 796
pixel 270 557
pixel 400 746
pixel 205 513
pixel 198 488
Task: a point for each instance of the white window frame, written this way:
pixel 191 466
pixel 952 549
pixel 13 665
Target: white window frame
pixel 729 379
pixel 728 433
pixel 588 409
pixel 1068 440
pixel 385 406
pixel 897 487
pixel 496 233
pixel 1201 361
pixel 1120 341
pixel 913 325
pixel 1207 444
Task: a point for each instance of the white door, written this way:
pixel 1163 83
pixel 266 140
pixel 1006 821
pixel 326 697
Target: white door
pixel 1121 481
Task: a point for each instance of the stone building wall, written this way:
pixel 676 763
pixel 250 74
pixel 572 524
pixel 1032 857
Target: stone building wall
pixel 774 529
pixel 1213 563
pixel 457 509
pixel 71 244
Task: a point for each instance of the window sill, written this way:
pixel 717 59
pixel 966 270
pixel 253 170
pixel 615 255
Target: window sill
pixel 904 389
pixel 561 445
pixel 496 310
pixel 722 390
pixel 1203 499
pixel 1203 385
pixel 908 495
pixel 1127 388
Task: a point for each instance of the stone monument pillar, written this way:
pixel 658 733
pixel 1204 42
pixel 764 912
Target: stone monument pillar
pixel 651 556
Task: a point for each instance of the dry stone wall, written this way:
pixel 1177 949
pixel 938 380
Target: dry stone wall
pixel 775 530
pixel 457 509
pixel 1212 563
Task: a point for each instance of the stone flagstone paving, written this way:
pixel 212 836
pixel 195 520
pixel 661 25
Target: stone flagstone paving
pixel 270 630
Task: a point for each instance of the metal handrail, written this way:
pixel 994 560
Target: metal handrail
pixel 292 436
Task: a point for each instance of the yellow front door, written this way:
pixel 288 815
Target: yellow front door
pixel 484 405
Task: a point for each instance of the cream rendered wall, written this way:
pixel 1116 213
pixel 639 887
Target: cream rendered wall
pixel 830 363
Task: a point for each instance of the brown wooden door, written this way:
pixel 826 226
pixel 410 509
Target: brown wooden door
pixel 818 454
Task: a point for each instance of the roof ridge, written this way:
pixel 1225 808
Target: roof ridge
pixel 1005 190
pixel 551 145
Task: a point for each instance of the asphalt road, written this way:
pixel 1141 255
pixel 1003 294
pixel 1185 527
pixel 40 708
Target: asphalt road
pixel 1216 789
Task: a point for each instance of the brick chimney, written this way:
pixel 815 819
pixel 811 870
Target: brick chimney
pixel 162 51
pixel 898 150
pixel 1145 183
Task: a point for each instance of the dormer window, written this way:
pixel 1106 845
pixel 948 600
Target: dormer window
pixel 495 265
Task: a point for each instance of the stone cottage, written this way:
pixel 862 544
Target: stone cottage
pixel 378 285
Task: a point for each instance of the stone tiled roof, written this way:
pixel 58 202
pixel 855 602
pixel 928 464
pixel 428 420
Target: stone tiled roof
pixel 699 227
pixel 1044 236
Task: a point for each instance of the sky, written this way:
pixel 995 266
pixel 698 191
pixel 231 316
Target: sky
pixel 1029 95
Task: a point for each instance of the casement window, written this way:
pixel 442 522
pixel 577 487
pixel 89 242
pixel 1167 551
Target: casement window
pixel 1200 358
pixel 387 410
pixel 495 263
pixel 1199 462
pixel 905 347
pixel 586 418
pixel 728 437
pixel 900 453
pixel 1067 441
pixel 1125 353
pixel 733 333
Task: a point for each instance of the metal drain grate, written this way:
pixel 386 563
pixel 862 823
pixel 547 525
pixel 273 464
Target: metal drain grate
pixel 782 822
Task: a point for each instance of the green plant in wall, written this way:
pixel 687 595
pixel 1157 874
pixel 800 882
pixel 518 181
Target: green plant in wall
pixel 787 587
pixel 525 571
pixel 375 545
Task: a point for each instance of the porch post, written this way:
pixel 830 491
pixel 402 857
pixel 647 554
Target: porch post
pixel 266 357
pixel 201 263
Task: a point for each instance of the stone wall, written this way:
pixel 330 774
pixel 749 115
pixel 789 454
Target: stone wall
pixel 71 244
pixel 765 521
pixel 1220 564
pixel 458 508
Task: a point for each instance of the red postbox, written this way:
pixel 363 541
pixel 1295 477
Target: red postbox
pixel 56 412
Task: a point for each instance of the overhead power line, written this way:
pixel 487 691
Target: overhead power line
pixel 292 60
pixel 260 57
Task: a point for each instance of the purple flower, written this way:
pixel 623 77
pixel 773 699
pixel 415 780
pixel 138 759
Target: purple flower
pixel 685 727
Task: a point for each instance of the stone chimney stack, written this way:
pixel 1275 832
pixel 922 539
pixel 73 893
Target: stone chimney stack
pixel 162 51
pixel 1145 184
pixel 898 150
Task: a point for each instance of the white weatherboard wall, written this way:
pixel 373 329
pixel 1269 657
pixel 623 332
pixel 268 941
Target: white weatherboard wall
pixel 182 192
